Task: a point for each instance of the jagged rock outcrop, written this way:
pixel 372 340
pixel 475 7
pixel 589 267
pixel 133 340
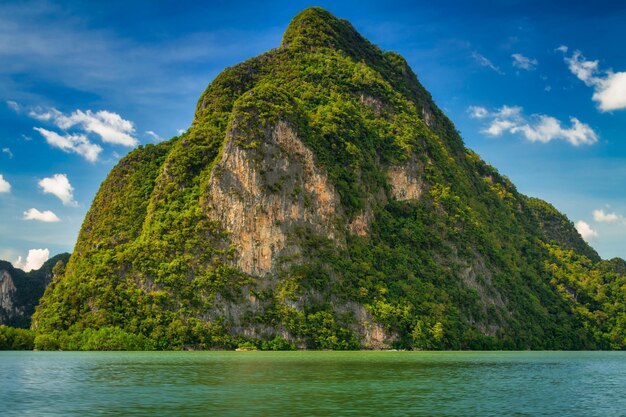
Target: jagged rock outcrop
pixel 321 199
pixel 20 291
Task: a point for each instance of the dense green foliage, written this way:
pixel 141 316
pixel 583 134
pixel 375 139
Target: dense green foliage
pixel 16 339
pixel 471 264
pixel 595 291
pixel 558 229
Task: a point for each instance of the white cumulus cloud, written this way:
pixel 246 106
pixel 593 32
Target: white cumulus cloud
pixel 498 127
pixel 522 62
pixel 585 230
pixel 609 86
pixel 535 128
pixel 80 128
pixel 5 187
pixel 548 128
pixel 34 260
pixel 43 216
pixel 477 112
pixel 109 126
pixel 610 92
pixel 78 143
pixel 602 217
pixel 59 186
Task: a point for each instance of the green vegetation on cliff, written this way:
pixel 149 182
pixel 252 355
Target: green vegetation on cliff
pixel 321 200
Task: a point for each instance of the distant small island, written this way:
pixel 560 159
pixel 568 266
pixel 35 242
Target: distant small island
pixel 320 200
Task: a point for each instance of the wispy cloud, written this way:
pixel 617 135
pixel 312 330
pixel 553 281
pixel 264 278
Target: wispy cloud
pixel 485 62
pixel 8 152
pixel 522 62
pixel 535 128
pixel 46 41
pixel 59 186
pixel 43 216
pixel 13 105
pixel 5 187
pixel 609 86
pixel 78 144
pixel 154 136
pixel 585 230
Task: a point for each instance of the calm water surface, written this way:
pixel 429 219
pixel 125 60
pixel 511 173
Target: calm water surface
pixel 313 384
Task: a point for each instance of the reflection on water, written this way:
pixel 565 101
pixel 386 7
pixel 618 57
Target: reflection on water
pixel 313 383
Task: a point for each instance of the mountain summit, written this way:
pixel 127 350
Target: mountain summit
pixel 320 199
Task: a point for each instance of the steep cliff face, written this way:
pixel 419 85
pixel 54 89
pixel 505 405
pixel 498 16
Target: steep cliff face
pixel 20 291
pixel 262 194
pixel 406 180
pixel 320 199
pixel 7 295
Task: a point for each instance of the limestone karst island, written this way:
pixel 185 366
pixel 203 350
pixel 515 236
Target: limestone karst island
pixel 320 200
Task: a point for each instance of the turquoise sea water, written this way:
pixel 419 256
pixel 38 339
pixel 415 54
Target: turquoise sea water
pixel 313 383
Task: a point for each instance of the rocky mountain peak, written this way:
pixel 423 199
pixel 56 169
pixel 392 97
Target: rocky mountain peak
pixel 315 27
pixel 321 199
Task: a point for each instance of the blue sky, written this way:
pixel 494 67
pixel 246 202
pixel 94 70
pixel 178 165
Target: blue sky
pixel 537 88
